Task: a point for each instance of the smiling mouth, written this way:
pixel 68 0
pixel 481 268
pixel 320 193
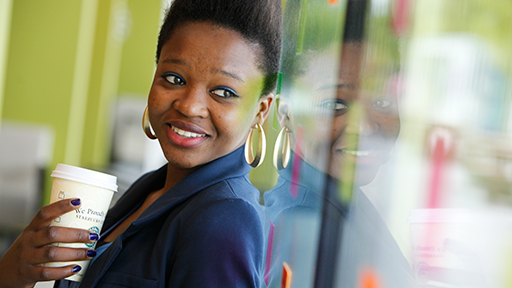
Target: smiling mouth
pixel 358 153
pixel 186 134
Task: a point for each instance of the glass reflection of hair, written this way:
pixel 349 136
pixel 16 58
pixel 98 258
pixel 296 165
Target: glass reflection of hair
pixel 196 222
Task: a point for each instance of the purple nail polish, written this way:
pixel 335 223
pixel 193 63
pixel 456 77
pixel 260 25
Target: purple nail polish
pixel 91 253
pixel 75 202
pixel 76 269
pixel 93 236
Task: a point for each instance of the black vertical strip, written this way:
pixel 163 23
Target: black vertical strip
pixel 333 217
pixel 354 21
pixel 334 212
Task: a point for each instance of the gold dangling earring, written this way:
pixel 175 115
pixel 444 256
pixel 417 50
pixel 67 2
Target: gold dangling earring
pixel 252 160
pixel 282 149
pixel 146 126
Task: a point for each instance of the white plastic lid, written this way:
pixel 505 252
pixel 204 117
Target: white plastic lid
pixel 86 176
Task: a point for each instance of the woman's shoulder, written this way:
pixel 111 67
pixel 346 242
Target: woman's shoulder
pixel 233 192
pixel 227 212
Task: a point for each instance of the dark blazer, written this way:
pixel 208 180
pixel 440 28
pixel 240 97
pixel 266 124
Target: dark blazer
pixel 206 231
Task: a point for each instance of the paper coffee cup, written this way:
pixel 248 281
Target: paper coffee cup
pixel 447 244
pixel 461 247
pixel 95 190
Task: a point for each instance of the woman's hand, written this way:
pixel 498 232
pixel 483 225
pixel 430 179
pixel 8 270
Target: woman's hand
pixel 23 264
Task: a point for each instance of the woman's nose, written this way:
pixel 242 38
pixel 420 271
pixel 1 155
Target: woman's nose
pixel 362 125
pixel 192 103
pixel 368 127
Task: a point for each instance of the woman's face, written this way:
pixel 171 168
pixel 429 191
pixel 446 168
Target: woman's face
pixel 205 95
pixel 351 125
pixel 366 119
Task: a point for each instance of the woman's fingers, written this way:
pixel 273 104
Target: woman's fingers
pixel 22 266
pixel 55 234
pixel 41 273
pixel 46 214
pixel 59 254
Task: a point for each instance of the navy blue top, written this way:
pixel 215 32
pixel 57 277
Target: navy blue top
pixel 206 231
pixel 366 240
pixel 296 223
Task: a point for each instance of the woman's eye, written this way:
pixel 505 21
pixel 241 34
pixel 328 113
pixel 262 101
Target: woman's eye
pixel 334 105
pixel 224 93
pixel 382 103
pixel 174 79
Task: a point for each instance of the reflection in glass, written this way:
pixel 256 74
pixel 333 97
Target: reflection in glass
pixel 306 104
pixel 342 130
pixel 398 114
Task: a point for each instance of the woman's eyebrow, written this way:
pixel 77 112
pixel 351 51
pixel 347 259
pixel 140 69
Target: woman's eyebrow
pixel 229 74
pixel 175 61
pixel 338 86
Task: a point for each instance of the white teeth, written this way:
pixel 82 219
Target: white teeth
pixel 358 153
pixel 186 134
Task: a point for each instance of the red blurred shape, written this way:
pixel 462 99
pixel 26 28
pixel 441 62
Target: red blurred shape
pixel 400 21
pixel 438 159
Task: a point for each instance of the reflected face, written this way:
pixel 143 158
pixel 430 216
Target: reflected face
pixel 366 121
pixel 205 94
pixel 357 126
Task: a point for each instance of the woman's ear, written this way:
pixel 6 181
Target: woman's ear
pixel 264 107
pixel 283 112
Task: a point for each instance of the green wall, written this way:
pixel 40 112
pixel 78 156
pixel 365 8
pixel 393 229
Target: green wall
pixel 66 62
pixel 40 65
pixel 5 28
pixel 138 62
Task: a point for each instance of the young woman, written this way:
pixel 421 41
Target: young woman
pixel 195 222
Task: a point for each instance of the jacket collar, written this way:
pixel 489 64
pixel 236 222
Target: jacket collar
pixel 229 166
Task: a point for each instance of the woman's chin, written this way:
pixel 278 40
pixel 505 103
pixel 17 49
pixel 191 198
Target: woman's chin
pixel 361 178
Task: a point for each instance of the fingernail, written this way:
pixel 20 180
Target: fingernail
pixel 75 202
pixel 93 236
pixel 91 253
pixel 76 269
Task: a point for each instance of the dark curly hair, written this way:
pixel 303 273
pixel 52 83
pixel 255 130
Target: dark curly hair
pixel 258 21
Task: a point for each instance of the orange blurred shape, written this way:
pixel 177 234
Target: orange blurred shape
pixel 286 281
pixel 369 279
pixel 333 2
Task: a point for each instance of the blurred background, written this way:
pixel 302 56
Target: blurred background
pixel 74 78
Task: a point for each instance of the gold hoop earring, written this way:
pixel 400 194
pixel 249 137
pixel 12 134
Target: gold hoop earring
pixel 146 126
pixel 252 160
pixel 282 149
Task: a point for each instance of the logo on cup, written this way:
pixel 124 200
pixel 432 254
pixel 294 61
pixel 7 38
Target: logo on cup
pixel 95 229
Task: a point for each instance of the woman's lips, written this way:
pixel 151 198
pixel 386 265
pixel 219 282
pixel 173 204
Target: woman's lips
pixel 188 127
pixel 358 149
pixel 364 154
pixel 186 135
pixel 358 153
